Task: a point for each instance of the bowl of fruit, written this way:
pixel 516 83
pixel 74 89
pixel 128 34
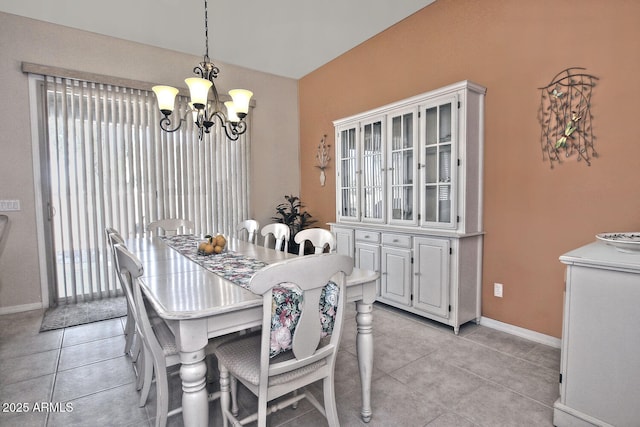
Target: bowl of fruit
pixel 213 245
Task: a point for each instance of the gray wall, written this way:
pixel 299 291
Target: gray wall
pixel 275 129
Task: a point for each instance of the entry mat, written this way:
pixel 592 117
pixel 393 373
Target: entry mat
pixel 66 315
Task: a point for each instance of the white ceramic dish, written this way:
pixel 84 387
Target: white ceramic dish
pixel 624 242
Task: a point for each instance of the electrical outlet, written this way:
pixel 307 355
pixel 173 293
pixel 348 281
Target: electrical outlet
pixel 497 290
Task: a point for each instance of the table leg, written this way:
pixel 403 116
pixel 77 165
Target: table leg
pixel 193 372
pixel 364 343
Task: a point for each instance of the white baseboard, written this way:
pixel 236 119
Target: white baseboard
pixel 521 332
pixel 20 308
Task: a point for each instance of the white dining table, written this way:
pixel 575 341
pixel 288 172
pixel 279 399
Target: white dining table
pixel 198 304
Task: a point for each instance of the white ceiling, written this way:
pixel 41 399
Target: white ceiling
pixel 288 38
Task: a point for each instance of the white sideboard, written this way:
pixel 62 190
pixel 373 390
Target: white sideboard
pixel 600 363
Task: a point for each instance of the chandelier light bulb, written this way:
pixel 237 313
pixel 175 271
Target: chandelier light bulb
pixel 199 90
pixel 166 98
pixel 231 112
pixel 241 98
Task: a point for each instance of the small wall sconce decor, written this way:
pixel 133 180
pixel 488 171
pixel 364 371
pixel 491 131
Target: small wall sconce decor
pixel 565 116
pixel 322 157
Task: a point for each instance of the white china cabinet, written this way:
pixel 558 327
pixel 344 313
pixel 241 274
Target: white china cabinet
pixel 409 200
pixel 600 353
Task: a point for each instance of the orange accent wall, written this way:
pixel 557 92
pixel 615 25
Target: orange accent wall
pixel 532 213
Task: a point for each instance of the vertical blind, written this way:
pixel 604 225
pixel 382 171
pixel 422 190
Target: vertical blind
pixel 111 166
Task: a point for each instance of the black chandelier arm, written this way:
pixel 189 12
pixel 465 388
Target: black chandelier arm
pixel 233 130
pixel 165 124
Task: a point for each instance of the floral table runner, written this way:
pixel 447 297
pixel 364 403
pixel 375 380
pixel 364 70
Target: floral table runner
pixel 230 265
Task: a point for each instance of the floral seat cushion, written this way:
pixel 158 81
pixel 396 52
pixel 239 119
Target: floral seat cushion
pixel 285 312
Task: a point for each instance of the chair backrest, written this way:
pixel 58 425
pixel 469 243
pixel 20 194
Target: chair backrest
pixel 4 220
pixel 130 271
pixel 251 226
pixel 319 237
pixel 280 233
pixel 115 239
pixel 170 226
pixel 310 274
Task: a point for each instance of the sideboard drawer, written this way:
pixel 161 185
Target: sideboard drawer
pixel 367 236
pixel 399 240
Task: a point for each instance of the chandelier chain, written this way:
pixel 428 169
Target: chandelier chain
pixel 206 31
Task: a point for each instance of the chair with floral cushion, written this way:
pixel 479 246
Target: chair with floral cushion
pixel 284 359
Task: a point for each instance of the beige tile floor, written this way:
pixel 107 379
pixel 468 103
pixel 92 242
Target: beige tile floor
pixel 424 376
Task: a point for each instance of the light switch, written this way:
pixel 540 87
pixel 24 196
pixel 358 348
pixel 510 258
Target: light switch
pixel 9 205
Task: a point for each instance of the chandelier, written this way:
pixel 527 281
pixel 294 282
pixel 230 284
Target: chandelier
pixel 205 113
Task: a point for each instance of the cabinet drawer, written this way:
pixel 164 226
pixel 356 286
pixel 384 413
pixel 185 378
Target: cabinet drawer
pixel 398 240
pixel 367 236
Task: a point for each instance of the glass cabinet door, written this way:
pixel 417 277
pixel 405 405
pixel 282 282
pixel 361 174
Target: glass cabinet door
pixel 402 167
pixel 347 179
pixel 439 163
pixel 372 176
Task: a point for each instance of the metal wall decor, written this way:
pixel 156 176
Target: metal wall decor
pixel 322 157
pixel 565 117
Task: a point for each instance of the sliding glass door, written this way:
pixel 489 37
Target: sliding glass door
pixel 106 163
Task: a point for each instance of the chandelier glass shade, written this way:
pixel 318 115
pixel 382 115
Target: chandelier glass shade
pixel 203 110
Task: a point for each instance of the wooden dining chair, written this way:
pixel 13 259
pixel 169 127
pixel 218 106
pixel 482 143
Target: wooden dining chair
pixel 280 233
pixel 170 226
pixel 159 347
pixel 271 370
pixel 251 227
pixel 319 237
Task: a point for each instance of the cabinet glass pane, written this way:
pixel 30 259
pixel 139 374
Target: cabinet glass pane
pixel 438 163
pixel 431 203
pixel 371 170
pixel 348 202
pixel 348 181
pixel 445 122
pixel 396 126
pixel 431 122
pixel 348 143
pixel 402 167
pixel 431 165
pixel 444 214
pixel 445 163
pixel 402 198
pixel 407 131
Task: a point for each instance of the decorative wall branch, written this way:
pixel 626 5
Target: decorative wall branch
pixel 565 116
pixel 322 157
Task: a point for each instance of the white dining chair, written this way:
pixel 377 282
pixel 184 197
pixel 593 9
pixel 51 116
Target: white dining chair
pixel 280 233
pixel 113 238
pixel 170 226
pixel 4 222
pixel 251 227
pixel 319 237
pixel 159 347
pixel 310 358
